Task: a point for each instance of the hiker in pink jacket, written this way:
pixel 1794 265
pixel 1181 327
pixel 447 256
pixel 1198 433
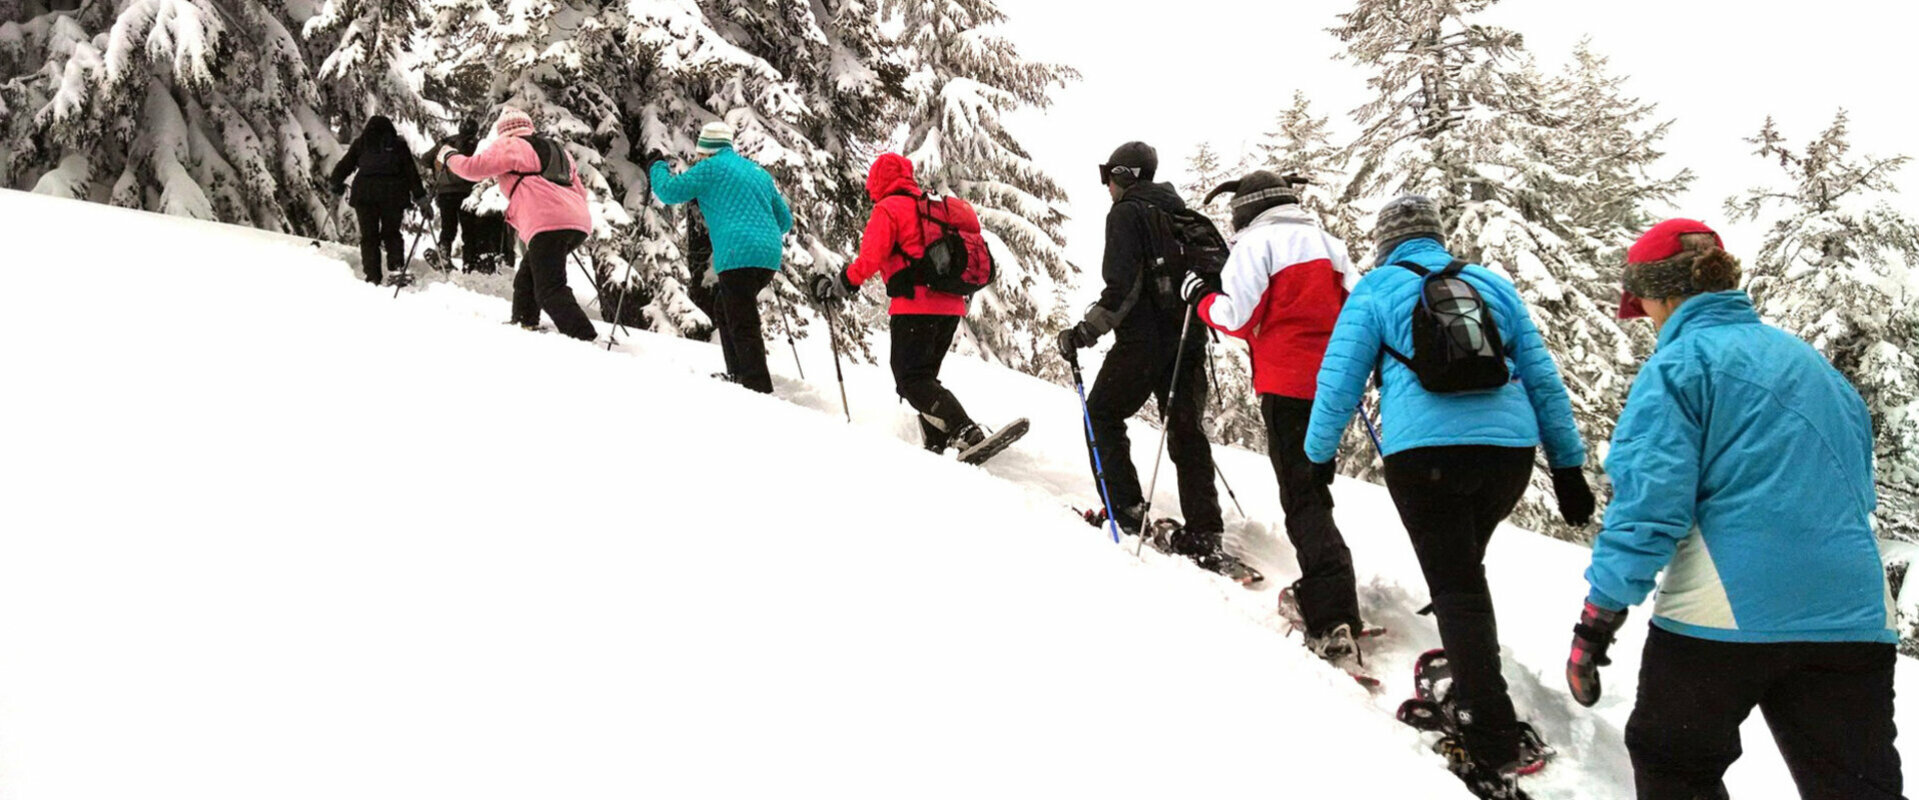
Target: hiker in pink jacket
pixel 546 203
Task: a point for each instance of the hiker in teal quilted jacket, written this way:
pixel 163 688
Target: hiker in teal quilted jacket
pixel 748 221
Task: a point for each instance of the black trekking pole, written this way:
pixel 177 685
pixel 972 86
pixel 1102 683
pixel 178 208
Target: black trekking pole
pixel 833 338
pixel 1165 415
pixel 1229 490
pixel 1092 443
pixel 405 277
pixel 1212 362
pixel 619 310
pixel 786 324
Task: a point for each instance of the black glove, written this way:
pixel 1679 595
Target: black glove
pixel 336 188
pixel 1576 501
pixel 1073 339
pixel 426 209
pixel 1324 473
pixel 1197 286
pixel 826 289
pixel 654 156
pixel 1591 638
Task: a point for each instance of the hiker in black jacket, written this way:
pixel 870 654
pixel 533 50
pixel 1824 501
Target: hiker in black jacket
pixel 1146 327
pixel 450 192
pixel 384 179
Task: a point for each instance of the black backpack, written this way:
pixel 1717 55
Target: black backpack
pixel 955 262
pixel 1182 241
pixel 1456 343
pixel 554 166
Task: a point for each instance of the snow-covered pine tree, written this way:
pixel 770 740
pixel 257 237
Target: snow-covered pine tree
pixel 963 80
pixel 1835 270
pixel 367 59
pixel 1205 170
pixel 1301 143
pixel 200 108
pixel 1462 116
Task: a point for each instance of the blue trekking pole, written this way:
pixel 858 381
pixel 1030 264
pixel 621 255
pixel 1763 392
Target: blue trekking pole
pixel 1099 470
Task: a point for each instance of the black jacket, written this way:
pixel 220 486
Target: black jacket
pixel 444 180
pixel 383 169
pixel 1127 305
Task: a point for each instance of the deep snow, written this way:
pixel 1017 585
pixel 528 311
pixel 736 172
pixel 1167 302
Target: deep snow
pixel 273 533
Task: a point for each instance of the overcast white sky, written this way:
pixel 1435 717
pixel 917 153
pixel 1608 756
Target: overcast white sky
pixel 1174 73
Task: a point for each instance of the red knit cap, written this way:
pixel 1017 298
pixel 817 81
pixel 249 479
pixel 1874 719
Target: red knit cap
pixel 1656 245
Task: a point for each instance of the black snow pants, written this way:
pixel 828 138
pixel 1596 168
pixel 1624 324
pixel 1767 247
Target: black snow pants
pixel 1326 591
pixel 1829 706
pixel 540 285
pixel 741 340
pixel 1136 369
pixel 380 230
pixel 455 220
pixel 1450 500
pixel 920 342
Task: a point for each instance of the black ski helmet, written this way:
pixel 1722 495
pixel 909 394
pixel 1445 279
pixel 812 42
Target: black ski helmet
pixel 1258 192
pixel 1131 163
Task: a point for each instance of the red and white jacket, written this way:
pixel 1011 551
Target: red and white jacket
pixel 1281 291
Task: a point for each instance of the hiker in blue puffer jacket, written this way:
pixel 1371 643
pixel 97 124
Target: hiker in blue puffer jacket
pixel 1456 464
pixel 747 220
pixel 1743 468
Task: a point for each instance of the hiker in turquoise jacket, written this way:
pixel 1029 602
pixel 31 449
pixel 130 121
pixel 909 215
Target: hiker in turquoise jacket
pixel 748 220
pixel 1456 463
pixel 1742 467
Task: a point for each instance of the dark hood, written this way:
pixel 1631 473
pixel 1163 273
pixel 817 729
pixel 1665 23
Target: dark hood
pixel 380 132
pixel 1162 195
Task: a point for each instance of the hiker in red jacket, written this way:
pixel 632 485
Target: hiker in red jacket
pixel 1281 291
pixel 924 320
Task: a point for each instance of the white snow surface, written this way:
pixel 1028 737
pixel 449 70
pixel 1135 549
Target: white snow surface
pixel 271 532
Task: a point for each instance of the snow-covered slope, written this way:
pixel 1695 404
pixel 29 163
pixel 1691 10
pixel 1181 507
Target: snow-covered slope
pixel 270 532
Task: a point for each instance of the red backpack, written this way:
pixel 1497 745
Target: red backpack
pixel 955 259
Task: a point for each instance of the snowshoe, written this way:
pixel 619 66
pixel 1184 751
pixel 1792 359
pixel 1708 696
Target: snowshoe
pixel 1426 716
pixel 1296 621
pixel 1488 784
pixel 1533 751
pixel 1433 677
pixel 1096 517
pixel 976 446
pixel 1230 566
pixel 432 258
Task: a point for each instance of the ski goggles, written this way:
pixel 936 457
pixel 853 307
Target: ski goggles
pixel 1107 172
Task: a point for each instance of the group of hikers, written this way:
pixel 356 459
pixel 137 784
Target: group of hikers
pixel 1742 466
pixel 386 181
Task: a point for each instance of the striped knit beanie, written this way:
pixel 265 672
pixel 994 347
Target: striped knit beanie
pixel 513 122
pixel 716 136
pixel 1405 219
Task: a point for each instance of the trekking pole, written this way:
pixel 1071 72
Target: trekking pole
pixel 1099 469
pixel 619 310
pixel 1165 414
pixel 598 296
pixel 1212 362
pixel 832 337
pixel 1229 489
pixel 786 323
pixel 405 277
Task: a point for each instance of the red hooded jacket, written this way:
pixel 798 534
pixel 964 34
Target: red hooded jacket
pixel 895 227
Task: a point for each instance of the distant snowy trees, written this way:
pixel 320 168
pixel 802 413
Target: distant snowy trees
pixel 200 108
pixel 234 109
